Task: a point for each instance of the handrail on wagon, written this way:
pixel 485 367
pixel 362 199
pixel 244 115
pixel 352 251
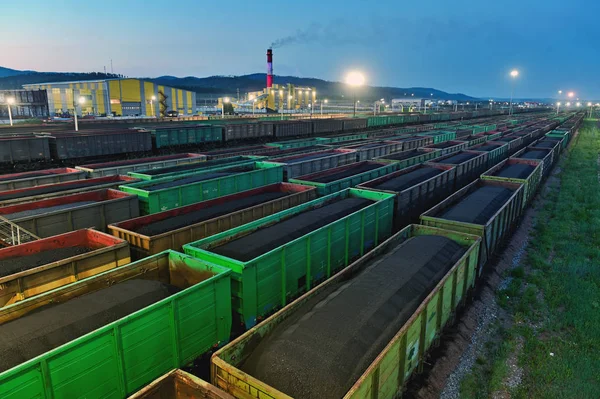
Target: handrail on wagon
pixel 13 234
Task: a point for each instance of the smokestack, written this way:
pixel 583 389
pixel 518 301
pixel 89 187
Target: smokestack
pixel 269 68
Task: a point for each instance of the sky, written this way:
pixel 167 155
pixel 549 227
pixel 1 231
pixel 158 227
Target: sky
pixel 456 46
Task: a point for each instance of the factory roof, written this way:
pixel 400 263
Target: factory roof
pixel 81 81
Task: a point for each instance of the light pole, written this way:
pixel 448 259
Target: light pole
pixel 10 101
pixel 491 104
pixel 80 100
pixel 590 105
pixel 325 101
pixel 289 102
pixel 310 109
pixel 225 101
pixel 253 106
pixel 513 74
pixel 152 99
pixel 355 79
pixel 557 107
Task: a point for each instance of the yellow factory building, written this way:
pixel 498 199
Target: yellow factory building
pixel 117 97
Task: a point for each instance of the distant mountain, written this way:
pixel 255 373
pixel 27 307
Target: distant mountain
pixel 4 72
pixel 229 85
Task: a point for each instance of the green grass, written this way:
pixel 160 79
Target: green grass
pixel 562 267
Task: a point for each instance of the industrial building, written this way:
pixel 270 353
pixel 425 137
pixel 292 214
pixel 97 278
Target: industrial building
pixel 25 103
pixel 117 97
pixel 277 97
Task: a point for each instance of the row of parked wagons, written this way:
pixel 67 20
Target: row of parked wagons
pixel 132 351
pixel 62 146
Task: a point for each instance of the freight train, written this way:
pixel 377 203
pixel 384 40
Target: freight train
pixel 278 248
pixel 65 146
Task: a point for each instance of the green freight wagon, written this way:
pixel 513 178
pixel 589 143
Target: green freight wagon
pixel 527 172
pixel 181 135
pixel 306 142
pixel 439 136
pixel 337 179
pixel 266 281
pixel 119 358
pixel 405 159
pixel 180 192
pixel 195 167
pixel 377 121
pixel 405 354
pixel 342 138
pixel 564 137
pixel 488 209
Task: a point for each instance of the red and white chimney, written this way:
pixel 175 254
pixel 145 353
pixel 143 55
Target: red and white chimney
pixel 269 68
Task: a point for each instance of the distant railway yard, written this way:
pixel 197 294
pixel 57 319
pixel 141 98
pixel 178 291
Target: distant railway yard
pixel 323 257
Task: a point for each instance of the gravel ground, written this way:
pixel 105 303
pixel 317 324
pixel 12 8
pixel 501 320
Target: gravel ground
pixel 40 211
pixel 304 158
pixel 533 154
pixel 4 178
pixel 516 171
pixel 479 206
pixel 329 342
pixel 407 180
pixel 264 240
pixel 353 169
pixel 401 155
pixel 52 188
pixel 458 158
pixel 198 166
pixel 54 325
pixel 201 215
pixel 17 264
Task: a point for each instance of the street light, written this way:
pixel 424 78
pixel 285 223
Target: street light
pixel 578 104
pixel 81 101
pixel 568 104
pixel 225 101
pixel 355 79
pixel 152 99
pixel 571 94
pixel 253 105
pixel 514 73
pixel 10 101
pixel 491 104
pixel 324 101
pixel 590 105
pixel 557 107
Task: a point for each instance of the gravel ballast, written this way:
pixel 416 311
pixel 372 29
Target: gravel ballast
pixel 347 172
pixel 479 206
pixel 326 344
pixel 264 240
pixel 187 219
pixel 533 154
pixel 458 158
pixel 41 211
pixel 54 325
pixel 407 180
pixel 20 263
pixel 515 171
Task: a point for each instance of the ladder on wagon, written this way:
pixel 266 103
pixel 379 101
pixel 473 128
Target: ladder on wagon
pixel 13 234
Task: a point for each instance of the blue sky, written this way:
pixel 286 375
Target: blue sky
pixel 459 46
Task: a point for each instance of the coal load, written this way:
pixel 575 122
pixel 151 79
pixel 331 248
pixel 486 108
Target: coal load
pixel 487 147
pixel 515 171
pixel 347 172
pixel 458 158
pixel 53 188
pixel 224 208
pixel 479 206
pixel 533 154
pixel 197 178
pixel 322 349
pixel 264 240
pixel 407 180
pixel 399 156
pixel 52 326
pixel 306 158
pixel 48 209
pixel 21 263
